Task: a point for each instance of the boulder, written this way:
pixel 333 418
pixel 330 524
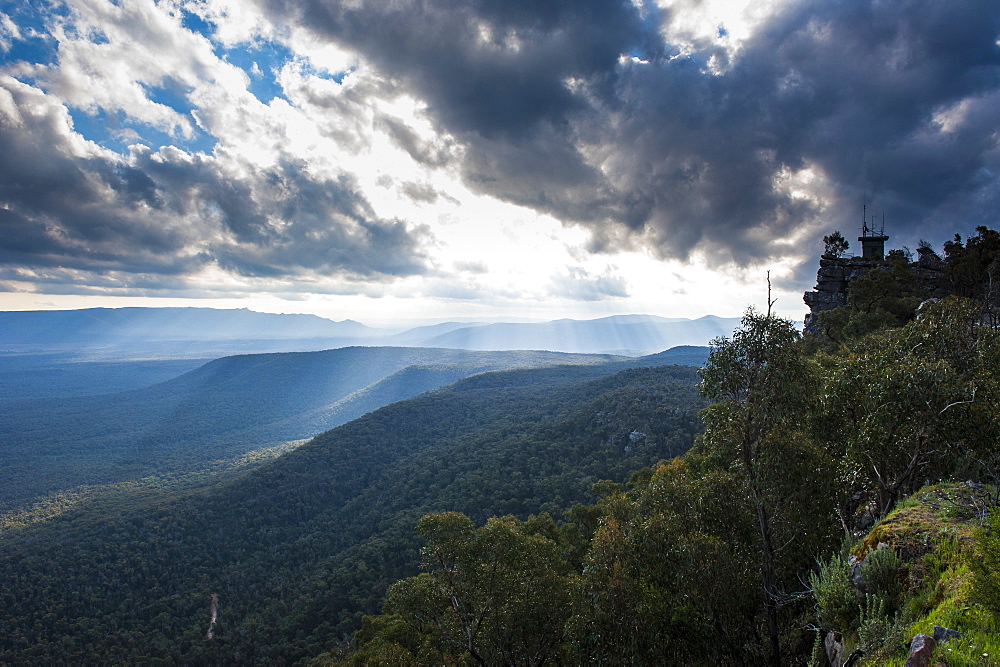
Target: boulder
pixel 940 634
pixel 921 650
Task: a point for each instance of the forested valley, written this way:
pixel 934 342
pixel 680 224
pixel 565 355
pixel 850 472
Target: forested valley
pixel 224 408
pixel 298 548
pixel 796 500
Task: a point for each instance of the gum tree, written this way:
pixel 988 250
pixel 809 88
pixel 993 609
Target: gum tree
pixel 763 387
pixel 911 400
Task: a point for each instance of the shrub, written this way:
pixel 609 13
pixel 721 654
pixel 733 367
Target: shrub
pixel 836 599
pixel 881 571
pixel 986 566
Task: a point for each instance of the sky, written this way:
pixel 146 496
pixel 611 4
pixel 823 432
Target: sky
pixel 531 159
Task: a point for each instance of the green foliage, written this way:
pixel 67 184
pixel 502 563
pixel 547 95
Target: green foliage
pixel 54 375
pixel 882 570
pixel 818 657
pixel 224 408
pixel 920 578
pixel 913 400
pixel 662 568
pixel 696 557
pixel 879 630
pixel 972 266
pixel 886 297
pixel 299 549
pixel 764 389
pixel 499 594
pixel 986 565
pixel 504 589
pixel 835 245
pixel 837 601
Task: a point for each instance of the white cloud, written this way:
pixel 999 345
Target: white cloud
pixel 111 56
pixel 466 156
pixel 8 32
pixel 695 25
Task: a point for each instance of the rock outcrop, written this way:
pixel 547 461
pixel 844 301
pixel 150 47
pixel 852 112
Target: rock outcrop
pixel 921 651
pixel 833 281
pixel 835 275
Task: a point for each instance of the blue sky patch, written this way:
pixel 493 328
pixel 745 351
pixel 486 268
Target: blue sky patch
pixel 172 95
pixel 101 128
pixel 269 58
pixel 36 45
pixel 197 24
pixel 37 50
pixel 116 131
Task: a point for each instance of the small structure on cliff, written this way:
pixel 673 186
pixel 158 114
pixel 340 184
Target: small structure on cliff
pixel 836 273
pixel 872 244
pixel 833 281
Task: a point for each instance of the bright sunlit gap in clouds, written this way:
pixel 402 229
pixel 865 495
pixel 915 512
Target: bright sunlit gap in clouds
pixel 476 162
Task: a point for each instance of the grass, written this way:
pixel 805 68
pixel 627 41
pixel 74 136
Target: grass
pixel 934 532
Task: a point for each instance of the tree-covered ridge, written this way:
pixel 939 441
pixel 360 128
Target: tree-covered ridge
pixel 297 549
pixel 705 559
pixel 226 407
pixel 60 375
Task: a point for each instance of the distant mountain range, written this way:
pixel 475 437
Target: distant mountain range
pixel 631 334
pixel 129 333
pixel 170 330
pixel 140 482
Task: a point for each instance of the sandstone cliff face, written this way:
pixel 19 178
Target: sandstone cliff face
pixel 833 281
pixel 835 275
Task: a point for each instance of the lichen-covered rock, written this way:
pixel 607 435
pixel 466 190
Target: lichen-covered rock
pixel 921 651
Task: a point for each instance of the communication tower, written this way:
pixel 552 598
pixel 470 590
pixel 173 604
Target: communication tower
pixel 872 240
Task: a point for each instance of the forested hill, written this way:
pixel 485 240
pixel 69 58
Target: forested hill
pixel 226 407
pixel 296 550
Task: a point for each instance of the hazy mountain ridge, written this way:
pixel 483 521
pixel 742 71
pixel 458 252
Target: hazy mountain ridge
pixel 52 375
pixel 636 335
pixel 98 325
pixel 223 408
pixel 206 332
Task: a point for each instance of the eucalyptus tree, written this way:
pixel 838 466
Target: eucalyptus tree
pixel 764 389
pixel 668 571
pixel 909 402
pixel 835 245
pixel 497 594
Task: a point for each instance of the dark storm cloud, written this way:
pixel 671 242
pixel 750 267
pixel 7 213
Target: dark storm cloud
pixel 285 222
pixel 171 213
pixel 688 156
pixel 79 211
pixel 494 67
pixel 859 89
